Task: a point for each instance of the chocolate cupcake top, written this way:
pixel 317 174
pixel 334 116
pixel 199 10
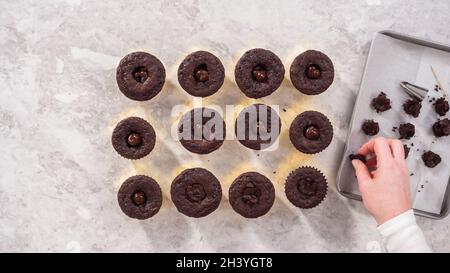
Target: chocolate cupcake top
pixel 357 157
pixel 201 131
pixel 311 132
pixel 406 130
pixel 370 127
pixel 441 106
pixel 201 74
pixel 431 159
pixel 140 197
pixel 306 187
pixel 257 126
pixel 312 72
pixel 196 192
pixel 251 195
pixel 133 138
pixel 381 103
pixel 259 73
pixel 412 107
pixel 140 76
pixel 441 128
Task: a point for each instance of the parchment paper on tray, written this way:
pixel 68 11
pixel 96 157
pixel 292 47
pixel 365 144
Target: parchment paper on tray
pixel 390 62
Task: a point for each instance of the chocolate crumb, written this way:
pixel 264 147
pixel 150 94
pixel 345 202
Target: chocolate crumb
pixel 407 149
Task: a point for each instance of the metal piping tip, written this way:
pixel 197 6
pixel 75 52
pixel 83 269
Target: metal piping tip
pixel 414 91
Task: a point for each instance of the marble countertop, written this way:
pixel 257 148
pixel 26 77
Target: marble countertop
pixel 59 102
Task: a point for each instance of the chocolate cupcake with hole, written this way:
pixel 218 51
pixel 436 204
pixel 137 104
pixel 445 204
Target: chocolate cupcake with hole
pixel 311 132
pixel 306 187
pixel 258 73
pixel 312 72
pixel 133 138
pixel 201 130
pixel 140 197
pixel 201 74
pixel 251 195
pixel 196 192
pixel 258 126
pixel 140 76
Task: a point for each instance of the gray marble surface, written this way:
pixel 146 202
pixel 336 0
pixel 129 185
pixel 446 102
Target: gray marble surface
pixel 59 103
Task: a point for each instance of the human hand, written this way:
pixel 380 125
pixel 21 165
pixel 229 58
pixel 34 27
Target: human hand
pixel 384 180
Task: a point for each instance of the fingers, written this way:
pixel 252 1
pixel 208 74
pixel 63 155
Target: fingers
pixel 362 173
pixel 397 149
pixel 371 163
pixel 380 147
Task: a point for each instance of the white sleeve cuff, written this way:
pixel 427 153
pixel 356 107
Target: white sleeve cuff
pixel 402 234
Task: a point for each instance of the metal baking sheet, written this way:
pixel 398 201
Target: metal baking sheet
pixel 393 58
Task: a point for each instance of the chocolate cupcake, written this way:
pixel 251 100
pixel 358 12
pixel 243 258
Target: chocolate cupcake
pixel 441 128
pixel 133 138
pixel 311 132
pixel 406 130
pixel 312 72
pixel 257 127
pixel 201 74
pixel 251 195
pixel 196 192
pixel 412 107
pixel 431 159
pixel 259 73
pixel 381 103
pixel 140 197
pixel 306 187
pixel 370 127
pixel 205 130
pixel 441 106
pixel 140 76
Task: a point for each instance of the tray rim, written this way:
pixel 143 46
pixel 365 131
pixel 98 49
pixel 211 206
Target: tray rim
pixel 411 39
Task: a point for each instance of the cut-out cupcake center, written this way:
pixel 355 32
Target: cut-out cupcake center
pixel 201 73
pixel 139 198
pixel 313 72
pixel 251 194
pixel 195 192
pixel 312 132
pixel 259 73
pixel 134 139
pixel 307 186
pixel 140 74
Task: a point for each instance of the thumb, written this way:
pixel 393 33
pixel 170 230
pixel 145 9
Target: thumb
pixel 362 173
